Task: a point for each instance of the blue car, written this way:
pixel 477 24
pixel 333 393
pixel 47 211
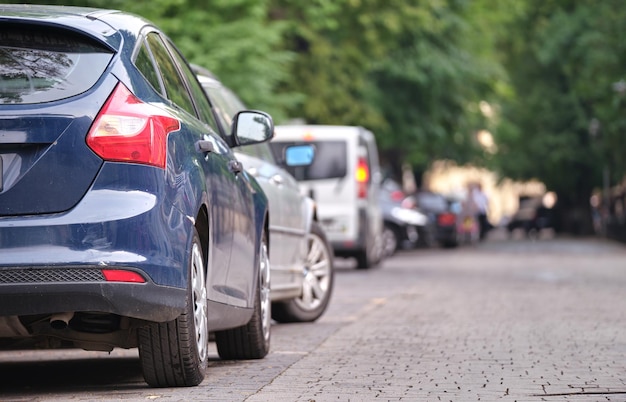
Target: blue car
pixel 125 218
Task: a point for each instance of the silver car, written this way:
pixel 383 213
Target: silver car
pixel 301 258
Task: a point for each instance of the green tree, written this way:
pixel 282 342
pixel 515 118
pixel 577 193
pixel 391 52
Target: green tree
pixel 402 68
pixel 232 38
pixel 334 42
pixel 565 121
pixel 430 82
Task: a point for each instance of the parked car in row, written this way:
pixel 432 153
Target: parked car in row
pixel 343 177
pixel 531 217
pixel 301 258
pixel 125 218
pixel 404 226
pixel 443 214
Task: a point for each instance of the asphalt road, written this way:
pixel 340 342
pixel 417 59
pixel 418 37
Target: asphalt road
pixel 505 320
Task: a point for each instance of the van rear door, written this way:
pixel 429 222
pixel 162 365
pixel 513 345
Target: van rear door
pixel 329 181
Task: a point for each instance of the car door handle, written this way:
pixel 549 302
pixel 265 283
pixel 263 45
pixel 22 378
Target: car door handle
pixel 204 146
pixel 235 166
pixel 277 179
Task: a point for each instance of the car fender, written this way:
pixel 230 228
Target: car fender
pixel 309 211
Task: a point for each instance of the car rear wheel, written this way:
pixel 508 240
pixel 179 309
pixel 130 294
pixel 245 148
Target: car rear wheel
pixel 317 284
pixel 175 353
pixel 251 341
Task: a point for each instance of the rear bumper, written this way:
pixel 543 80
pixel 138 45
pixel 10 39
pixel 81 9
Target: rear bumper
pixel 446 232
pixel 145 301
pixel 353 240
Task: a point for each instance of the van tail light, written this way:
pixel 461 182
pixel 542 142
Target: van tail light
pixel 362 176
pixel 129 130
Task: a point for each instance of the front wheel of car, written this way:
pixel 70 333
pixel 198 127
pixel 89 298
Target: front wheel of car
pixel 317 284
pixel 251 341
pixel 175 353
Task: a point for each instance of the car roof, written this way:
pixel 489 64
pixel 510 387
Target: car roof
pixel 46 11
pixel 103 25
pixel 203 72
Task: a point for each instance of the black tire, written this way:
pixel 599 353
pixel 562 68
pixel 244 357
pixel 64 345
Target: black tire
pixel 426 238
pixel 251 341
pixel 175 353
pixel 451 243
pixel 369 258
pixel 363 260
pixel 317 284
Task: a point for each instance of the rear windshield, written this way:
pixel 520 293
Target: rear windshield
pixel 40 65
pixel 431 202
pixel 330 161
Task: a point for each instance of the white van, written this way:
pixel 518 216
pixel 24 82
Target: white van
pixel 343 177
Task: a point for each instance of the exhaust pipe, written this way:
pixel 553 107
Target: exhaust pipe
pixel 61 320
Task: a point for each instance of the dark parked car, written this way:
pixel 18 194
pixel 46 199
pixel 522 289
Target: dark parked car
pixel 443 214
pixel 531 217
pixel 301 258
pixel 125 218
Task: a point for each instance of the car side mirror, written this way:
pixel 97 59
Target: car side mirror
pixel 252 127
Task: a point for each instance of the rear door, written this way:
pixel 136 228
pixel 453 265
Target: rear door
pixel 287 220
pixel 45 76
pixel 225 105
pixel 230 199
pixel 329 180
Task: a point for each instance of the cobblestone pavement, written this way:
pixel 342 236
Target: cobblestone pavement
pixel 505 320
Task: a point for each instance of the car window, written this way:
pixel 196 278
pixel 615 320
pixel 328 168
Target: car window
pixel 225 104
pixel 431 202
pixel 199 97
pixel 145 65
pixel 44 65
pixel 261 151
pixel 174 84
pixel 330 160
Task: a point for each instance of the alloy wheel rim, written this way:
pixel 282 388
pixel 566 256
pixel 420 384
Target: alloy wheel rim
pixel 317 273
pixel 389 241
pixel 199 294
pixel 264 278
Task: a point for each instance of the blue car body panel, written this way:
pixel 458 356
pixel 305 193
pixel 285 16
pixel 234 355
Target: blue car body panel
pixel 64 211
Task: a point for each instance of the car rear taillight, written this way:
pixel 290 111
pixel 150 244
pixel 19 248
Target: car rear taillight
pixel 118 275
pixel 446 219
pixel 397 195
pixel 362 176
pixel 129 130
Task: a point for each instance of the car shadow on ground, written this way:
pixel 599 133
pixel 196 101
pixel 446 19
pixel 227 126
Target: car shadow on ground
pixel 70 375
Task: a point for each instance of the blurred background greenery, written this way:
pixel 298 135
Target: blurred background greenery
pixel 529 89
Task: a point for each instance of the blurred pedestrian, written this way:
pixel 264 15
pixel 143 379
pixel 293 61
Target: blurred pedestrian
pixel 481 203
pixel 467 219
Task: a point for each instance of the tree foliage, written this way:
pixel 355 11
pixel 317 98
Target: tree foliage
pixel 232 38
pixel 565 59
pixel 418 73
